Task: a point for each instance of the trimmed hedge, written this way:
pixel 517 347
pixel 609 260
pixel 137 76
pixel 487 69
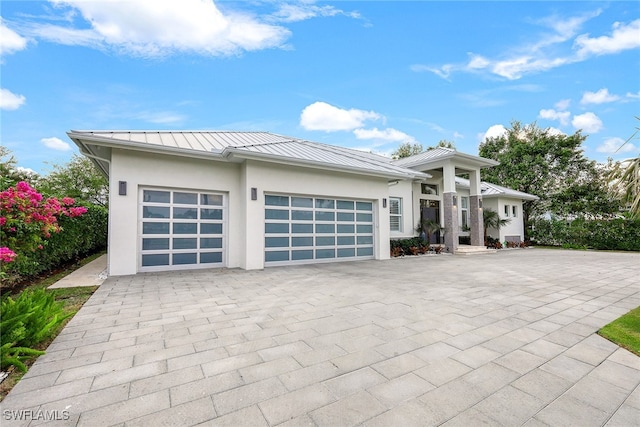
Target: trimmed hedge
pixel 80 236
pixel 614 234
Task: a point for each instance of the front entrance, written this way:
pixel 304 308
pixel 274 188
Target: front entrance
pixel 430 211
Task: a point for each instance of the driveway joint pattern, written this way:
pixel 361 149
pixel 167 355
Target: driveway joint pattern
pixel 502 339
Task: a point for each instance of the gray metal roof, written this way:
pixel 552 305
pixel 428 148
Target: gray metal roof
pixel 441 153
pixel 231 145
pixel 493 190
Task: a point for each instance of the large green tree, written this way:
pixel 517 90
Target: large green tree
pixel 551 166
pixel 408 149
pixel 79 179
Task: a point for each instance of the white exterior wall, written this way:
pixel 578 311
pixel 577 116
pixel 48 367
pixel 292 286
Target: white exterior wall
pixel 515 227
pixel 155 170
pixel 405 191
pixel 280 179
pixel 245 217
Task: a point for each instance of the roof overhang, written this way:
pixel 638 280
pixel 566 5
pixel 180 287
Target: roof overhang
pixel 239 155
pixel 99 148
pixel 462 161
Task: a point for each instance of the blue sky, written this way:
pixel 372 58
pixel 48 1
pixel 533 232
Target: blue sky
pixel 368 74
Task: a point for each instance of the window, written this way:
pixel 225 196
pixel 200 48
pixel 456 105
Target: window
pixel 429 189
pixel 395 213
pixel 514 211
pixel 506 210
pixel 464 209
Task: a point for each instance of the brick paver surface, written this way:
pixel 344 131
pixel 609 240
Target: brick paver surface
pixel 502 339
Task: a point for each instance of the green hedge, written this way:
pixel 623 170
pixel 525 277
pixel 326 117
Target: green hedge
pixel 614 234
pixel 80 236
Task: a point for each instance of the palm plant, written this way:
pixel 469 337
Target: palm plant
pixel 429 227
pixel 491 219
pixel 625 180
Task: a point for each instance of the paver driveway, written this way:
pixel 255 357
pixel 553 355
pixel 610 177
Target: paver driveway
pixel 504 339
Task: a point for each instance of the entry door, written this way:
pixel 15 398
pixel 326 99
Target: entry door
pixel 430 210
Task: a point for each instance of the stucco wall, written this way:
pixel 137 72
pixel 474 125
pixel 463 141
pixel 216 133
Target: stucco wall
pixel 154 170
pixel 274 179
pixel 245 218
pixel 405 191
pixel 515 227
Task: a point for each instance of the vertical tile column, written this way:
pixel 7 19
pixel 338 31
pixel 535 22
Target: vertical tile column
pixel 476 222
pixel 450 207
pixel 450 221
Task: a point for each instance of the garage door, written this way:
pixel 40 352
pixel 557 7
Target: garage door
pixel 181 229
pixel 311 229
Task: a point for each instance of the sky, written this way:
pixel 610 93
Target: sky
pixel 368 75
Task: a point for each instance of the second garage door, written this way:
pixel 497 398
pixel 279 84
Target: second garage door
pixel 302 229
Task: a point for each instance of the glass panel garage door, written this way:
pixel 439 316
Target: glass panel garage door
pixel 181 229
pixel 309 229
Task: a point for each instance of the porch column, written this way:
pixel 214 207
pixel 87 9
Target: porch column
pixel 476 222
pixel 450 208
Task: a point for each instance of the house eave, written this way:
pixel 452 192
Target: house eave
pixel 239 155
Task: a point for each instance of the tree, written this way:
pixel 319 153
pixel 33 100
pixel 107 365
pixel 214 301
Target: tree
pixel 491 219
pixel 78 179
pixel 10 173
pixel 624 178
pixel 407 149
pixel 549 165
pixel 443 143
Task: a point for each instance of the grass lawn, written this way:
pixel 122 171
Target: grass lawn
pixel 625 331
pixel 72 300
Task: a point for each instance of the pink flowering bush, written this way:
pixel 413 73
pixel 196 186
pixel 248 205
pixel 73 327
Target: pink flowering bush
pixel 27 219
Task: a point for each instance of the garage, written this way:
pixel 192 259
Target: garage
pixel 305 229
pixel 181 229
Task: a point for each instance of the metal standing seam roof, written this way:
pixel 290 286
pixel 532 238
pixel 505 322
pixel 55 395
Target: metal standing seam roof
pixel 493 190
pixel 271 146
pixel 439 153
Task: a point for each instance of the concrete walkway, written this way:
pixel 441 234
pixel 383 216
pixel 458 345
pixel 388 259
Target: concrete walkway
pixel 91 274
pixel 505 339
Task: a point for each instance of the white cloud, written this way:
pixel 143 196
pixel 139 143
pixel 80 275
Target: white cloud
pixel 27 171
pixel 588 122
pixel 551 114
pixel 600 97
pixel 10 101
pixel 623 37
pixel 163 117
pixel 612 145
pixel 326 117
pixel 633 95
pixel 388 134
pixel 10 41
pixel 559 46
pixel 495 131
pixel 55 144
pixel 302 11
pixel 155 28
pixel 554 131
pixel 562 105
pixel 458 135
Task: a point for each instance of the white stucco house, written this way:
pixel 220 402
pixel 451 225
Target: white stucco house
pixel 202 199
